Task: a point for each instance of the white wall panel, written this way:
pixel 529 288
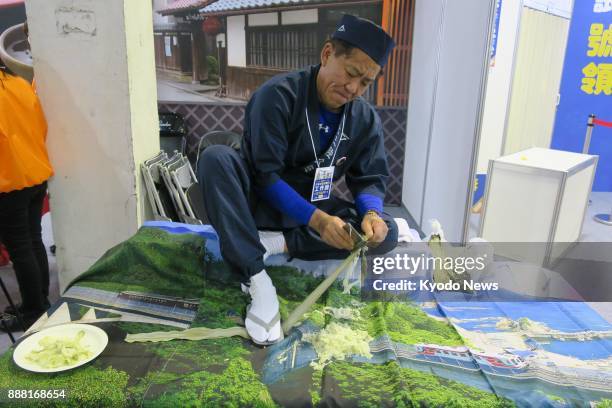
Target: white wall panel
pixel 535 88
pixel 455 63
pixel 423 76
pixel 499 83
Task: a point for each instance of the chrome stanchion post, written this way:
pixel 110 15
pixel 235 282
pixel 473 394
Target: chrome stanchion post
pixel 602 218
pixel 589 132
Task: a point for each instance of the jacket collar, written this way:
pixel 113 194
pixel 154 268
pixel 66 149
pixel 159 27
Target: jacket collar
pixel 313 101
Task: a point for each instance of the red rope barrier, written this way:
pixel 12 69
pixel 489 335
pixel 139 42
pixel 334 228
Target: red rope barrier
pixel 602 123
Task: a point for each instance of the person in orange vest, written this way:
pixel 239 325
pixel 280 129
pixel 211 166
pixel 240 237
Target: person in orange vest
pixel 24 171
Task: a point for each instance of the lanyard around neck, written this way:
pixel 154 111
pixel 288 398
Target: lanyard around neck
pixel 339 133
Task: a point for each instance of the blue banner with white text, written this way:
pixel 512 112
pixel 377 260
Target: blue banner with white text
pixel 586 86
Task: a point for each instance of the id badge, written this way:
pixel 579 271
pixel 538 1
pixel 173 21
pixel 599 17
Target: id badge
pixel 322 186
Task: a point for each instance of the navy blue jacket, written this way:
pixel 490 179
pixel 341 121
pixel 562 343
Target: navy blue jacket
pixel 277 144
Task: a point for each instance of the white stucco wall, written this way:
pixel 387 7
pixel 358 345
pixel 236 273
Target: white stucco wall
pixel 300 17
pixel 236 41
pixel 263 19
pixel 95 74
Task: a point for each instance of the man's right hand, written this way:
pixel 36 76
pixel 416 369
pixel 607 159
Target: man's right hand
pixel 331 230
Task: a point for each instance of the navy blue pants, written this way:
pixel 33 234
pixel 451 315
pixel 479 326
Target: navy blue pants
pixel 229 201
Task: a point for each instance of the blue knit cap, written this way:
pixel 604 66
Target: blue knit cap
pixel 367 36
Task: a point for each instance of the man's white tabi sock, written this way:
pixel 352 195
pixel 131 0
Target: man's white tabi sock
pixel 264 308
pixel 273 241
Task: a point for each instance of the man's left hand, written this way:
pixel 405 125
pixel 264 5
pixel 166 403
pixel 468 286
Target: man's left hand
pixel 374 228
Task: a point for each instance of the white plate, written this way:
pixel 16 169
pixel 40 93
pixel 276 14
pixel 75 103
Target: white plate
pixel 95 340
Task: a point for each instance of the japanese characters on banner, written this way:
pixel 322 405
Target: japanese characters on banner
pixel 586 86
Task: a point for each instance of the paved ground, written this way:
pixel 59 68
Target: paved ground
pixel 173 91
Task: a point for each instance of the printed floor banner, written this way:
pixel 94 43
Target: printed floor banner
pixel 347 351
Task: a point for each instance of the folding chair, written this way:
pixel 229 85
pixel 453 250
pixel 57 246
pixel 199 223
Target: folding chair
pixel 193 191
pixel 183 179
pixel 151 175
pixel 162 199
pixel 173 194
pixel 174 179
pixel 217 137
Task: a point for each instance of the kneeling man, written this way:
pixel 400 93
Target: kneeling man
pixel 302 131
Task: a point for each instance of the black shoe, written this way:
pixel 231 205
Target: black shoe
pixel 10 310
pixel 12 324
